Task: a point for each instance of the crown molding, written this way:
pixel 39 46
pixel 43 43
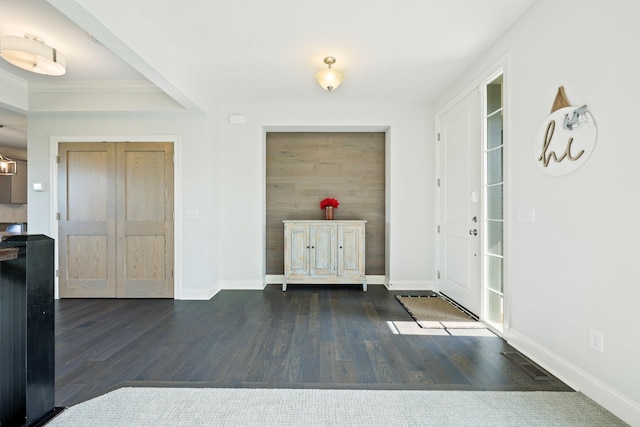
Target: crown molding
pixel 93 86
pixel 11 80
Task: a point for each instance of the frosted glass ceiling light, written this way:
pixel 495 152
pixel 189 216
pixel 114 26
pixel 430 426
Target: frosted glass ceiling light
pixel 31 54
pixel 329 79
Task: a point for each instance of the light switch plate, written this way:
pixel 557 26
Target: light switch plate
pixel 39 186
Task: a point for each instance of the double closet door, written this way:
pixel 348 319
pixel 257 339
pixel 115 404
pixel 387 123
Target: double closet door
pixel 115 228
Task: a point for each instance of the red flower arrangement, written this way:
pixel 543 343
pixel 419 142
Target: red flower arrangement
pixel 329 202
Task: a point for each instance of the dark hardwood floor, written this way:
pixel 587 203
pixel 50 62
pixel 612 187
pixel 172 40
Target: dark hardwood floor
pixel 309 336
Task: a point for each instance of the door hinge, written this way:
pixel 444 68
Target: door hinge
pixel 57 216
pixel 172 273
pixel 438 229
pixel 57 273
pixel 438 182
pixel 438 136
pixel 57 159
pixel 438 274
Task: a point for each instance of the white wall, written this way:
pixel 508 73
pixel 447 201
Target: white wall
pixel 195 191
pixel 223 181
pixel 575 267
pixel 411 216
pixel 241 173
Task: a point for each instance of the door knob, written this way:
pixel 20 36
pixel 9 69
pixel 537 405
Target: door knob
pixel 473 232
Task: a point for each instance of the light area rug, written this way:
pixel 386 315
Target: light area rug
pixel 435 312
pixel 314 407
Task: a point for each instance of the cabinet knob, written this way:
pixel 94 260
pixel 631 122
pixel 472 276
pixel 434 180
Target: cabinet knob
pixel 340 247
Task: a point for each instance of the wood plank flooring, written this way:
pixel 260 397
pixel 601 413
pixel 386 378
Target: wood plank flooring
pixel 309 336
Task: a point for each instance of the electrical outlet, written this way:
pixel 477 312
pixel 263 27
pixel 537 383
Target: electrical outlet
pixel 596 340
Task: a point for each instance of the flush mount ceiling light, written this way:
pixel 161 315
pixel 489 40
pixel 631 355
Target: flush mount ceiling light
pixel 31 54
pixel 329 79
pixel 7 166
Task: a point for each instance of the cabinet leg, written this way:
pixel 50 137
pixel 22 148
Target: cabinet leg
pixel 364 286
pixel 284 286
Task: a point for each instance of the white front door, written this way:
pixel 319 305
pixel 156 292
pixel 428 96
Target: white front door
pixel 459 205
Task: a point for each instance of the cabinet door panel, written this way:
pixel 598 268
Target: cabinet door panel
pixel 323 239
pixel 296 242
pixel 350 250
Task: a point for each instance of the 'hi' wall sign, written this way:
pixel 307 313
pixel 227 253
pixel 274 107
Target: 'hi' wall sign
pixel 566 138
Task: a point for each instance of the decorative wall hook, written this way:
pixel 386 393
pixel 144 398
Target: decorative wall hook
pixel 570 122
pixel 562 150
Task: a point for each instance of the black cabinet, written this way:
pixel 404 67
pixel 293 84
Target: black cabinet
pixel 27 362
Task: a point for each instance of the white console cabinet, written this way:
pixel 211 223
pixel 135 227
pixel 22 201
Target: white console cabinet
pixel 324 252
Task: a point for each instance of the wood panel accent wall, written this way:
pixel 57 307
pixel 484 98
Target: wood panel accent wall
pixel 305 167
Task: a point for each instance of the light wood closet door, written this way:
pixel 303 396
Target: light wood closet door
pixel 125 249
pixel 144 194
pixel 87 225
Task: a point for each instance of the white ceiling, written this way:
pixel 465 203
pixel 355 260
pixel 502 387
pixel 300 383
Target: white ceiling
pixel 86 60
pixel 404 51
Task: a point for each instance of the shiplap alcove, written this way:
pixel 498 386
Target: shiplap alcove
pixel 302 168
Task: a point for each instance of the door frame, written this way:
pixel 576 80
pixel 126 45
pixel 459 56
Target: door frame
pixel 371 279
pixel 176 140
pixel 503 65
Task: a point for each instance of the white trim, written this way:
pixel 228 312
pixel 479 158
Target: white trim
pixel 328 129
pixel 176 140
pixel 13 81
pixel 273 279
pixel 373 128
pixel 377 279
pixel 483 185
pixel 578 379
pixel 475 83
pixel 15 92
pixel 410 285
pixel 501 66
pixel 276 279
pixel 242 285
pixel 132 86
pixel 201 295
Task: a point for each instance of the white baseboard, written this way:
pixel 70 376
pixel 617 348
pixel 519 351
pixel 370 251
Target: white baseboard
pixel 274 279
pixel 223 284
pixel 607 397
pixel 372 279
pixel 200 294
pixel 376 279
pixel 242 285
pixel 410 285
